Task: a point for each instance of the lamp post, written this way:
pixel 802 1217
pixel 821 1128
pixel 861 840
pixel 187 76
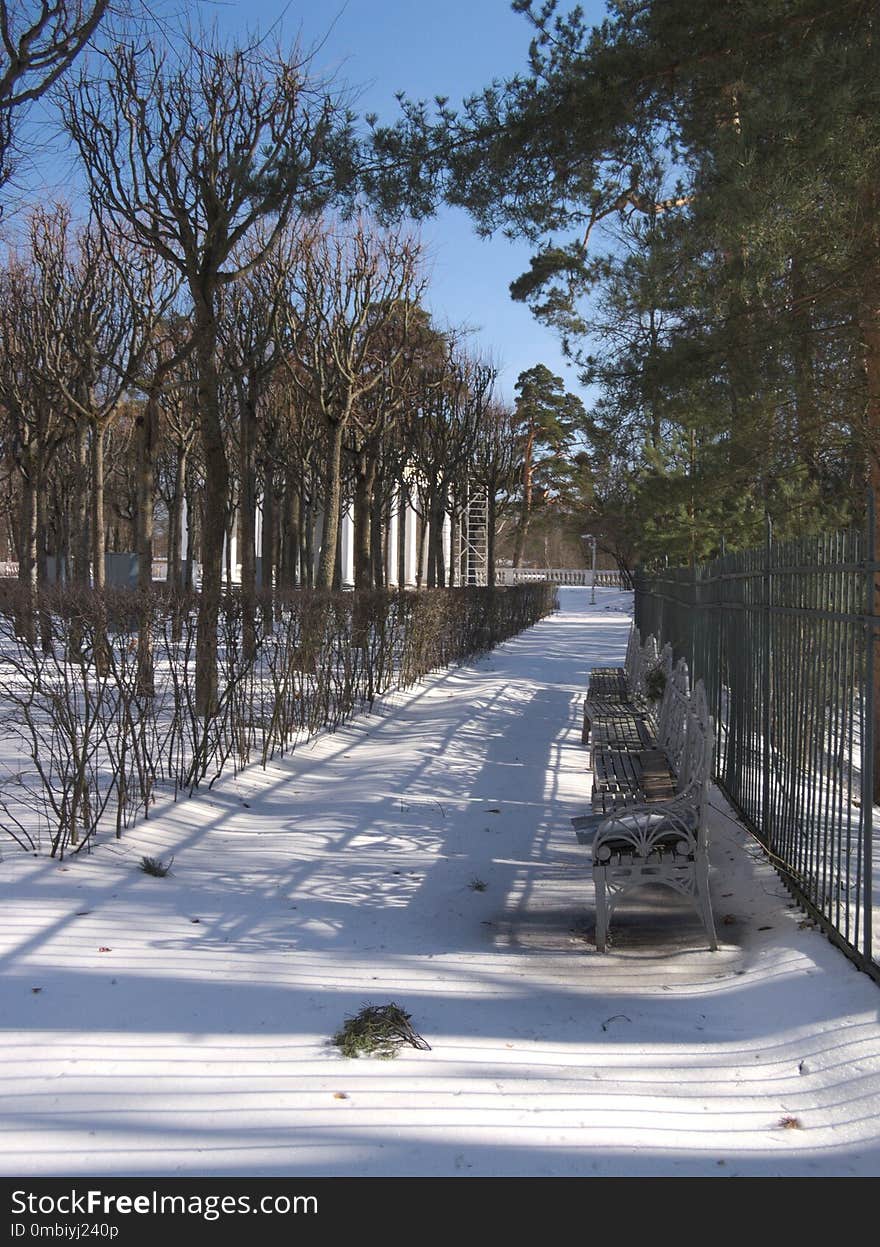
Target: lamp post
pixel 589 537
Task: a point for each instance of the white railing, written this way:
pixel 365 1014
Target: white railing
pixel 503 575
pixel 561 575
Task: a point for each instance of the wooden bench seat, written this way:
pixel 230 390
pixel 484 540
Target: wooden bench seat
pixel 610 684
pixel 620 691
pixel 646 775
pixel 624 733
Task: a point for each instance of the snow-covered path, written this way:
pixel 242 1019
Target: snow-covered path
pixel 182 1025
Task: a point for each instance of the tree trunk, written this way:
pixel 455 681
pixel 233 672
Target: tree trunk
pixel 332 498
pixel 27 546
pixel 807 420
pixel 526 512
pixel 870 327
pixel 268 544
pixel 146 481
pixel 99 538
pixel 99 533
pixel 291 542
pixel 216 496
pixel 81 504
pixel 422 549
pixel 402 523
pixel 247 525
pixel 27 527
pixel 378 542
pixel 41 568
pixel 363 520
pixel 307 552
pixel 436 561
pixel 337 569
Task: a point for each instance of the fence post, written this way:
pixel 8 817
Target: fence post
pixel 692 621
pixel 765 725
pixel 638 589
pixel 867 810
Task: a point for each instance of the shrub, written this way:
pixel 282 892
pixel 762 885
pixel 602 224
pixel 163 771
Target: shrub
pixel 155 866
pixel 655 683
pixel 378 1030
pixel 97 691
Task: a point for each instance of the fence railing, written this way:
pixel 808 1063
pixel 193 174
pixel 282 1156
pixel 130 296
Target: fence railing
pixel 560 575
pixel 783 637
pixel 503 575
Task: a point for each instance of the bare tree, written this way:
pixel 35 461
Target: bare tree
pixel 176 436
pixel 249 335
pixel 495 466
pixel 187 157
pixel 39 42
pixel 372 444
pixel 102 297
pixel 349 287
pixel 299 443
pixel 443 435
pixel 35 427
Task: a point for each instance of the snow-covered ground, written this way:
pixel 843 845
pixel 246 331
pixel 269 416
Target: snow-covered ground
pixel 182 1025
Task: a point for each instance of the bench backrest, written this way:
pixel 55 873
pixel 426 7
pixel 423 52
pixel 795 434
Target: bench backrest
pixel 695 771
pixel 671 719
pixel 633 649
pixel 666 660
pixel 647 658
pixel 663 663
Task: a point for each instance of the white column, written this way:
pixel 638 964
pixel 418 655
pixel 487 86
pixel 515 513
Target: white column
pixel 391 548
pixel 411 551
pixel 426 537
pixel 446 542
pixel 346 571
pixel 233 553
pixel 184 530
pixel 317 533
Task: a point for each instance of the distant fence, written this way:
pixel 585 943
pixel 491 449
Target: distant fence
pixel 503 575
pixel 783 637
pixel 561 575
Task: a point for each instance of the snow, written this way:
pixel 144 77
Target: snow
pixel 182 1025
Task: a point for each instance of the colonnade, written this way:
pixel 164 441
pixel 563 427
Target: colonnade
pixel 406 516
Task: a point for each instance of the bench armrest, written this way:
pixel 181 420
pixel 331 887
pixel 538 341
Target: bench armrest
pixel 672 825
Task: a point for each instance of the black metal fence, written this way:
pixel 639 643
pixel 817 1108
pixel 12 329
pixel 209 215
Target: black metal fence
pixel 783 637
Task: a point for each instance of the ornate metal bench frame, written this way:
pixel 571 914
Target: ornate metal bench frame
pixel 641 841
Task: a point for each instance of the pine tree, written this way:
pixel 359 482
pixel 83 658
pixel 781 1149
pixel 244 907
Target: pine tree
pixel 548 418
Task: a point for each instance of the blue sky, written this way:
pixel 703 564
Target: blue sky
pixel 379 47
pixel 427 48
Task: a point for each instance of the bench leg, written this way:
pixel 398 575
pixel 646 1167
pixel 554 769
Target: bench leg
pixel 585 730
pixel 601 908
pixel 705 902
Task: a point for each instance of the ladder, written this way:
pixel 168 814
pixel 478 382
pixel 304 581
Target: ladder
pixel 476 537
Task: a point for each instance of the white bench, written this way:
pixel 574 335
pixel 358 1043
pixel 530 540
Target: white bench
pixel 636 840
pixel 620 692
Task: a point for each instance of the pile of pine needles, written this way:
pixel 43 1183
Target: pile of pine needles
pixel 378 1030
pixel 156 867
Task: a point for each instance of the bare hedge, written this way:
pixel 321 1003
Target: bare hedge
pixel 97 692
